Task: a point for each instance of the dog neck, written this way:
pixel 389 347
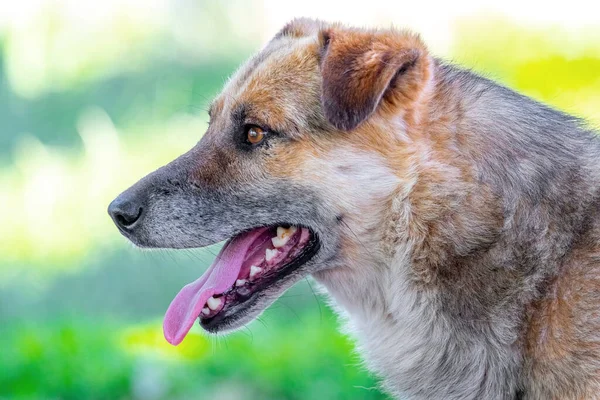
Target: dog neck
pixel 391 294
pixel 406 336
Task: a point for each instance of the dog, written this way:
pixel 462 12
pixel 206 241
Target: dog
pixel 453 222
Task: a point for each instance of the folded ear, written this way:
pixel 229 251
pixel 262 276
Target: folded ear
pixel 362 69
pixel 299 27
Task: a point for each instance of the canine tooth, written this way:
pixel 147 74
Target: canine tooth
pixel 283 235
pixel 213 303
pixel 205 311
pixel 254 270
pixel 241 282
pixel 270 254
pixel 285 232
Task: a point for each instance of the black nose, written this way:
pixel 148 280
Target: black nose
pixel 126 211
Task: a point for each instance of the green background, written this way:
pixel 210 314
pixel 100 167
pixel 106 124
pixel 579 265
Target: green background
pixel 86 109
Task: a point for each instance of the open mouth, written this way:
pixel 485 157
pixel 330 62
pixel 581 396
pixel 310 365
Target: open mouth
pixel 248 264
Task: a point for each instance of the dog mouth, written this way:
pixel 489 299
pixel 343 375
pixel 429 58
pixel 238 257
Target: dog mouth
pixel 247 265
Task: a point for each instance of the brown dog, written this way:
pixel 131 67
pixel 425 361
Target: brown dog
pixel 454 222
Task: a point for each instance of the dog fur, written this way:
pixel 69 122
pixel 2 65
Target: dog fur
pixel 459 221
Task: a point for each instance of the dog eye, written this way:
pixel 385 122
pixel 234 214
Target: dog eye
pixel 254 134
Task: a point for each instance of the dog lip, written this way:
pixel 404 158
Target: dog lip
pixel 227 318
pixel 128 233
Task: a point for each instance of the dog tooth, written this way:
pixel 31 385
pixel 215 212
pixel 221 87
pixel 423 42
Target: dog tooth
pixel 285 232
pixel 205 311
pixel 240 282
pixel 279 242
pixel 213 303
pixel 254 270
pixel 271 254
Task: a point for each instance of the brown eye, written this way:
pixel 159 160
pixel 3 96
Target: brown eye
pixel 255 135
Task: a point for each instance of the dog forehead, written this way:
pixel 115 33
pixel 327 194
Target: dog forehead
pixel 281 83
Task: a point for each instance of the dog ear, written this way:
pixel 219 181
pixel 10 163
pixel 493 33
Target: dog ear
pixel 300 27
pixel 362 69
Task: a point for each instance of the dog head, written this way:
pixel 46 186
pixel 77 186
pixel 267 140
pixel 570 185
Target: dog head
pixel 297 169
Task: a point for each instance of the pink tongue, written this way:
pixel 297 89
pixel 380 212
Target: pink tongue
pixel 221 275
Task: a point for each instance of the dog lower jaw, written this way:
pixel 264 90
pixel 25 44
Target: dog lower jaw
pixel 234 318
pixel 239 315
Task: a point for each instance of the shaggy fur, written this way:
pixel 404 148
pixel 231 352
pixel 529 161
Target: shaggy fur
pixel 458 220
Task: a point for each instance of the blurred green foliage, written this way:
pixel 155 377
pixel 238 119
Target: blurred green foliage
pixel 90 359
pixel 79 308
